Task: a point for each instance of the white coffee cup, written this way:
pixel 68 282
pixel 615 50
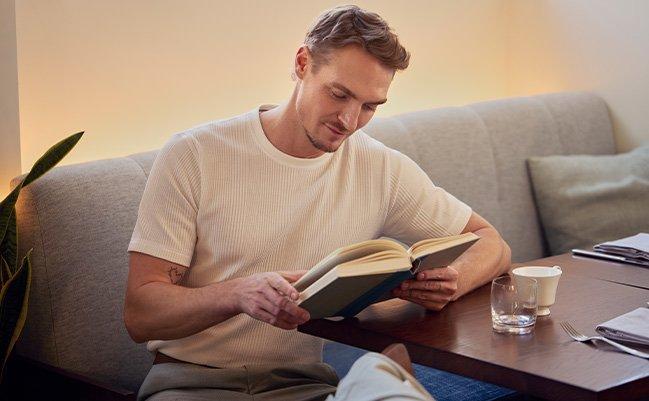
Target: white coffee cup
pixel 547 279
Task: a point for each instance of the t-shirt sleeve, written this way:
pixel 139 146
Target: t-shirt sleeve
pixel 417 209
pixel 166 221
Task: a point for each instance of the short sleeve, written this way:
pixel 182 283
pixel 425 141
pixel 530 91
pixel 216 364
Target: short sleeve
pixel 166 221
pixel 417 208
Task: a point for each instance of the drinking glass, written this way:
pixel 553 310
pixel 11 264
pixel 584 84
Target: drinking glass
pixel 514 304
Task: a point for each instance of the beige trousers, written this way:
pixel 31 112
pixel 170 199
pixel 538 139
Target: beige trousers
pixel 373 377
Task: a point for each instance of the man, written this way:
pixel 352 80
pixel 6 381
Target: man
pixel 235 210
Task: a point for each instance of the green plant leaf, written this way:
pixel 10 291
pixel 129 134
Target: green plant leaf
pixel 14 298
pixel 42 165
pixel 52 157
pixel 9 245
pixel 7 209
pixel 5 273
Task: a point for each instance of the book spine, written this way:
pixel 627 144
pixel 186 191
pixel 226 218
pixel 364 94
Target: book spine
pixel 374 294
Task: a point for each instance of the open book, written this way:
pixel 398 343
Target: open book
pixel 351 278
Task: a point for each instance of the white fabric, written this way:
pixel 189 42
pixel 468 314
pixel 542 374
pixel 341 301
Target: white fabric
pixel 223 200
pixel 375 377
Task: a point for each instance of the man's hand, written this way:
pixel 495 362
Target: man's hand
pixel 270 297
pixel 432 289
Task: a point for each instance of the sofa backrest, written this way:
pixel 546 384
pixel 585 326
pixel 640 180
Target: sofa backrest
pixel 477 152
pixel 79 218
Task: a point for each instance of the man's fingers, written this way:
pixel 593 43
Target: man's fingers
pixel 294 310
pixel 286 325
pixel 280 284
pixel 276 321
pixel 423 295
pixel 271 305
pixel 272 314
pixel 275 300
pixel 264 316
pixel 292 276
pixel 293 318
pixel 446 287
pixel 441 273
pixel 276 304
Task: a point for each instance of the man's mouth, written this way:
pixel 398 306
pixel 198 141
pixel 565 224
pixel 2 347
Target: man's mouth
pixel 335 131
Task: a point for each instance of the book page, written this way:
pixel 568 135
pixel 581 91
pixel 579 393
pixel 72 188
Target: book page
pixel 440 252
pixel 345 254
pixel 376 263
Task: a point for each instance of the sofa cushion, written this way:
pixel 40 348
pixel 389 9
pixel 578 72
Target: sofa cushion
pixel 79 219
pixel 477 152
pixel 583 199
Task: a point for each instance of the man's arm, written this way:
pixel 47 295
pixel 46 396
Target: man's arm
pixel 486 259
pixel 156 308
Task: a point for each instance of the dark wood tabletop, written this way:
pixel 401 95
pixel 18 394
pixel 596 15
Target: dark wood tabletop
pixel 546 363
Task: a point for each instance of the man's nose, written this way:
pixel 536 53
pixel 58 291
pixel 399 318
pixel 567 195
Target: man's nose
pixel 349 117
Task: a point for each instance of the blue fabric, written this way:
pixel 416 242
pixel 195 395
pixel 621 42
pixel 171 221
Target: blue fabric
pixel 442 385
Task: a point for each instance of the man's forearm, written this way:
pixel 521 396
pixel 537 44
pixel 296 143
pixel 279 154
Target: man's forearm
pixel 486 259
pixel 165 311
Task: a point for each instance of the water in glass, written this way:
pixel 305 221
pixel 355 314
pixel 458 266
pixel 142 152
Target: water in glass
pixel 513 304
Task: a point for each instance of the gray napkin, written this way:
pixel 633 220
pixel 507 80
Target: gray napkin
pixel 635 247
pixel 632 327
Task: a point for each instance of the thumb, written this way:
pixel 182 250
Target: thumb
pixel 293 275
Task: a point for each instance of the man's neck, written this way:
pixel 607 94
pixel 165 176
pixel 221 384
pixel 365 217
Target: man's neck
pixel 283 129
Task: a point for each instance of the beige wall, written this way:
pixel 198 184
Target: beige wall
pixel 9 126
pixel 596 45
pixel 131 73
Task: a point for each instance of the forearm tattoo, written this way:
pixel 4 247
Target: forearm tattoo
pixel 176 273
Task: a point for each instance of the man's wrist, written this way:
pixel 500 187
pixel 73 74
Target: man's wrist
pixel 224 294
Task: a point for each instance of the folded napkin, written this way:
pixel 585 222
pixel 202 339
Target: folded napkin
pixel 632 327
pixel 634 247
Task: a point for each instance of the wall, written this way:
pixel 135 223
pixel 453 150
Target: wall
pixel 596 45
pixel 9 120
pixel 132 73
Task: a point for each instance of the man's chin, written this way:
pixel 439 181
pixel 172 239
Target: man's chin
pixel 328 149
pixel 325 147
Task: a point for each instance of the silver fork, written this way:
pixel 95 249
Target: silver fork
pixel 582 338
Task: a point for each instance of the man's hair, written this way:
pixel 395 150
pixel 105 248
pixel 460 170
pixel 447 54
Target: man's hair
pixel 350 24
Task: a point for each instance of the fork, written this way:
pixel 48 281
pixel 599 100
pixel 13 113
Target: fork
pixel 582 338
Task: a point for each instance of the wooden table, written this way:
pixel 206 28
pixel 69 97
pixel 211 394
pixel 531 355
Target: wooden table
pixel 546 363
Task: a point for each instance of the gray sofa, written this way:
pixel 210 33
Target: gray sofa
pixel 79 218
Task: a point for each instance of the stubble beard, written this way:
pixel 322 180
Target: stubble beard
pixel 319 145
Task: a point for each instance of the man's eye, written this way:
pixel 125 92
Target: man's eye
pixel 371 108
pixel 337 96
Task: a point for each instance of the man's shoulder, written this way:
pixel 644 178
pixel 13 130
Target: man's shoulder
pixel 364 145
pixel 207 138
pixel 220 128
pixel 361 141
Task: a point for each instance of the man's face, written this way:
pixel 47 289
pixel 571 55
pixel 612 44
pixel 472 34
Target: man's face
pixel 341 97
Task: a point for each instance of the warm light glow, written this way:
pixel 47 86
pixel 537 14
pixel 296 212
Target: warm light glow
pixel 132 74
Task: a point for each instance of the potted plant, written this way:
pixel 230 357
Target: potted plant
pixel 15 273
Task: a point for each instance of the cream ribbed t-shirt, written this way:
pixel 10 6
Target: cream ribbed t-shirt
pixel 224 201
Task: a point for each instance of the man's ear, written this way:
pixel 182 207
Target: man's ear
pixel 302 61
